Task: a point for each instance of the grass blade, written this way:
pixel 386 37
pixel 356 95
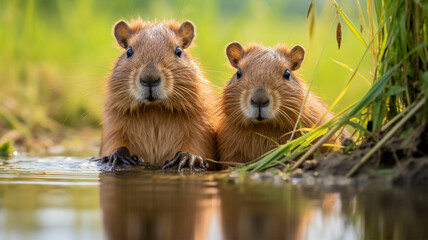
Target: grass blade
pixel 361 17
pixel 351 70
pixel 359 127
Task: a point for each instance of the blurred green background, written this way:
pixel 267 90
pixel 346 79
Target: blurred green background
pixel 55 55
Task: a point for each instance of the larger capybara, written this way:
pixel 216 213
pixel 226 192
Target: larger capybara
pixel 158 102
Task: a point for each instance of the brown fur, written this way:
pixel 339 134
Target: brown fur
pixel 263 67
pixel 155 131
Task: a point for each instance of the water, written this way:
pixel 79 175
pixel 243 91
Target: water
pixel 68 198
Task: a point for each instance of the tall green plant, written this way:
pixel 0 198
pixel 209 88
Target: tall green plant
pixel 398 43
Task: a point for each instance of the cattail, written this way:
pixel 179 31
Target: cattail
pixel 339 34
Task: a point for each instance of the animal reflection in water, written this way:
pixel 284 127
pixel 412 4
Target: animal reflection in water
pixel 172 207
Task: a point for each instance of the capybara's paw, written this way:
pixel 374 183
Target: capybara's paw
pixel 119 158
pixel 186 162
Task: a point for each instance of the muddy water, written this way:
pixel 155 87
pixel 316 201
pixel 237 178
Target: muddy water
pixel 68 198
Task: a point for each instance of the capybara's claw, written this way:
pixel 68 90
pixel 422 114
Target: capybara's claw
pixel 170 164
pixel 186 162
pixel 120 157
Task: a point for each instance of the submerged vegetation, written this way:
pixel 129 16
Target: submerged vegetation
pixel 394 33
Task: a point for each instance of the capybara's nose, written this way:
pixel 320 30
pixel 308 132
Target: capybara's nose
pixel 260 98
pixel 150 76
pixel 150 81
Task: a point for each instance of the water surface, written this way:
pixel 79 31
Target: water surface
pixel 66 197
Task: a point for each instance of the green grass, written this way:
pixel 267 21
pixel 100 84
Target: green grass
pixel 56 55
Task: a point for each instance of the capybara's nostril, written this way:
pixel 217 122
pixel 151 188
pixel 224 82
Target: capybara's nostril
pixel 150 81
pixel 155 83
pixel 260 98
pixel 144 83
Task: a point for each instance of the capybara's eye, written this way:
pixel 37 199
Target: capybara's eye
pixel 129 52
pixel 287 74
pixel 178 51
pixel 238 73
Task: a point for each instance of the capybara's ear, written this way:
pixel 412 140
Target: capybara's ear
pixel 296 57
pixel 234 52
pixel 187 33
pixel 122 33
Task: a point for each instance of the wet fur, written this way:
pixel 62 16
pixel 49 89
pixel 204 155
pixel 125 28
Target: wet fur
pixel 237 136
pixel 155 131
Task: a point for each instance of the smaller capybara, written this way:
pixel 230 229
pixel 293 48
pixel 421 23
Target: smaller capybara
pixel 262 102
pixel 158 103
